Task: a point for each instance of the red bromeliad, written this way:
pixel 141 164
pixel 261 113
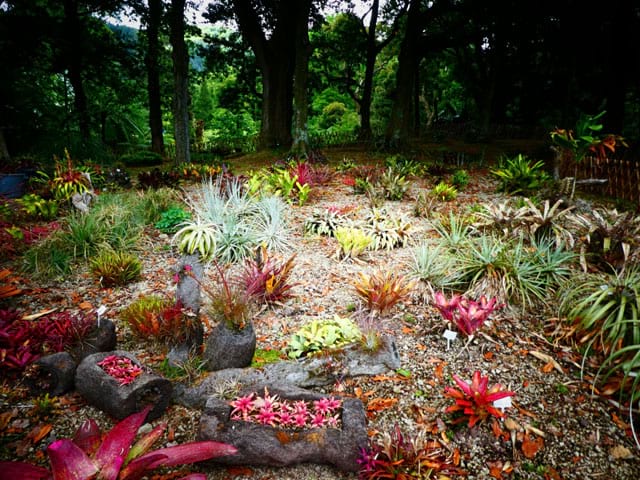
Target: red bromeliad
pixel 468 315
pixel 91 455
pixel 475 399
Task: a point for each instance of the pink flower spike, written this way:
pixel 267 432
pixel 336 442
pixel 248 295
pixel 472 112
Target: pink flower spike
pixel 300 419
pixel 266 417
pixel 446 307
pixel 300 407
pixel 332 421
pixel 188 268
pixel 243 405
pixel 334 404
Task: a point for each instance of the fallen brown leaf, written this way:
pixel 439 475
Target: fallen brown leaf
pixel 546 359
pixel 531 446
pixel 619 452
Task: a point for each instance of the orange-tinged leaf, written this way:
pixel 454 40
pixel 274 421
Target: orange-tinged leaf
pixel 39 432
pixel 531 446
pixel 488 356
pixel 86 305
pixel 407 330
pixel 547 367
pixel 620 423
pixel 421 347
pixel 378 404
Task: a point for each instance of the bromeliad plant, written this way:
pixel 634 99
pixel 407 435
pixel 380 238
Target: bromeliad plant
pixel 283 413
pixel 398 456
pixel 323 334
pixel 90 454
pixel 475 400
pixel 382 290
pixel 467 315
pixel 267 279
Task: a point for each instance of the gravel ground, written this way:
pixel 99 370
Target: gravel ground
pixel 576 435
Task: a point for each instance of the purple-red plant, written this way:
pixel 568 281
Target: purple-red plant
pixel 271 410
pixel 400 457
pixel 23 341
pixel 468 315
pixel 114 456
pixel 121 368
pixel 267 279
pixel 475 399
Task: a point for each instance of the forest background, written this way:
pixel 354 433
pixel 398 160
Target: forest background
pixel 300 74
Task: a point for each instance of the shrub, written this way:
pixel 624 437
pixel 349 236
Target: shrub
pixel 444 192
pixel 115 268
pixel 171 219
pixel 393 185
pixel 519 175
pixel 141 158
pixel 460 179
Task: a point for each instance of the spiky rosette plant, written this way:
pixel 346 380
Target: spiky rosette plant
pixel 475 400
pixel 114 456
pixel 267 279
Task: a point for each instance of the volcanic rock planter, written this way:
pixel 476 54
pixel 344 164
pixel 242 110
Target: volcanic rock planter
pixel 259 444
pixel 105 392
pixel 226 347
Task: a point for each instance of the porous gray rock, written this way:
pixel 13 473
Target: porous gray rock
pixel 227 347
pixel 188 287
pixel 272 446
pixel 59 370
pixel 310 372
pixel 104 392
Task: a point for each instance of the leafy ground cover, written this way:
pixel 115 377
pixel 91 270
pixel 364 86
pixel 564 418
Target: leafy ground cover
pixel 432 418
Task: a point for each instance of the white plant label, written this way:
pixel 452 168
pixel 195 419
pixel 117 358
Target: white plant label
pixel 502 403
pixel 450 335
pixel 100 311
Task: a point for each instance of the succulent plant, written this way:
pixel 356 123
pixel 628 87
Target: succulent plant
pixel 321 334
pixel 324 222
pixel 387 231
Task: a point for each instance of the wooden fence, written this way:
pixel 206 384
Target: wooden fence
pixel 622 175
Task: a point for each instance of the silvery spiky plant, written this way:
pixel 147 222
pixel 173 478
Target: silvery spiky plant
pixel 324 222
pixel 388 231
pixel 270 224
pixel 434 266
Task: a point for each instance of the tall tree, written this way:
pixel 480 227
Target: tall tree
pixel 180 56
pixel 301 74
pixel 402 123
pixel 152 61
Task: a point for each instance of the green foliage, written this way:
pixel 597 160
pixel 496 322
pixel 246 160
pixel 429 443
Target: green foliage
pixel 433 265
pixel 188 371
pixel 141 158
pixel 115 268
pixel 36 206
pixel 322 334
pixel 453 230
pixel 264 356
pixel 444 192
pixel 604 309
pixel 393 185
pixel 519 176
pixel 196 236
pixel 171 219
pixel 404 166
pixel 352 242
pixel 49 259
pixel 460 179
pixel 548 223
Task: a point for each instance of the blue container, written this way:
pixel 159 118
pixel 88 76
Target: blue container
pixel 12 185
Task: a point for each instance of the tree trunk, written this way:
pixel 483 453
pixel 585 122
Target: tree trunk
pixel 401 123
pixel 300 98
pixel 153 76
pixel 367 87
pixel 276 58
pixel 73 62
pixel 180 56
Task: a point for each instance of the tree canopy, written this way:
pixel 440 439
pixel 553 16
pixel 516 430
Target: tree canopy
pixel 272 73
